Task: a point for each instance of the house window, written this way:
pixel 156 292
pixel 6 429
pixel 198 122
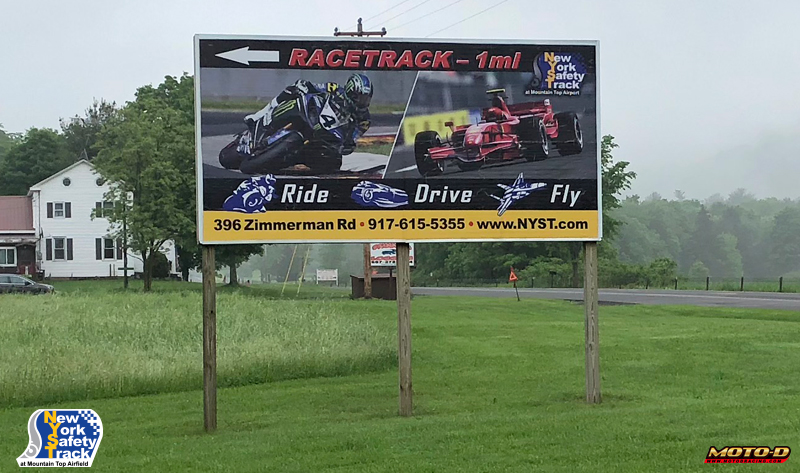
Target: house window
pixel 59 249
pixel 58 209
pixel 103 209
pixel 8 256
pixel 109 251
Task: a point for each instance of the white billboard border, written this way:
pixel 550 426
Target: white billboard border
pixel 198 138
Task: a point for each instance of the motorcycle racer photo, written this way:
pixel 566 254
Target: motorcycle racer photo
pixel 308 123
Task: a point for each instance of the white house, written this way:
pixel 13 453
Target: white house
pixel 70 242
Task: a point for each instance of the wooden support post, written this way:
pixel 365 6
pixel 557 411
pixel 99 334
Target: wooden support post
pixel 367 272
pixel 289 271
pixel 590 302
pixel 780 284
pixel 404 328
pixel 209 340
pixel 303 272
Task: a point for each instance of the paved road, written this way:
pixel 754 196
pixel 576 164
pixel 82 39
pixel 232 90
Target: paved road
pixel 747 300
pixel 579 166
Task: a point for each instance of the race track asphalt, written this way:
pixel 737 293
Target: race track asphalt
pixel 746 300
pixel 579 166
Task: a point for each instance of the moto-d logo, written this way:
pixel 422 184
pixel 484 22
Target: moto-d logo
pixel 63 437
pixel 736 454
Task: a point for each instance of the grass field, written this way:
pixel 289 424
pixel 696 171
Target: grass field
pixel 90 341
pixel 498 386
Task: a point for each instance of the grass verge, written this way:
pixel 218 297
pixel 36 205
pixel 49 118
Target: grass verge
pixel 86 344
pixel 498 386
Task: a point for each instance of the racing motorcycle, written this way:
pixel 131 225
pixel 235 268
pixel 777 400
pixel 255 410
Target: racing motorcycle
pixel 309 129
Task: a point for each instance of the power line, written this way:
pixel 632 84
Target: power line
pixel 467 18
pixel 384 11
pixel 427 14
pixel 406 11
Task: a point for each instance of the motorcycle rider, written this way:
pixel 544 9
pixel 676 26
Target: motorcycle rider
pixel 353 99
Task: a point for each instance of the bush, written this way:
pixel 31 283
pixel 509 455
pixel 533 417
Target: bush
pixel 545 270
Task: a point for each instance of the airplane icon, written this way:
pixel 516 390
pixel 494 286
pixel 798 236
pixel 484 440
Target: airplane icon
pixel 516 191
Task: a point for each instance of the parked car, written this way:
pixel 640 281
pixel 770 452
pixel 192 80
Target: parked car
pixel 13 283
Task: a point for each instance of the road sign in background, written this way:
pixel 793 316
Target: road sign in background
pixel 328 275
pixel 385 254
pixel 466 141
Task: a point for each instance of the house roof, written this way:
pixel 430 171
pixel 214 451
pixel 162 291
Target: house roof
pixel 16 213
pixel 72 166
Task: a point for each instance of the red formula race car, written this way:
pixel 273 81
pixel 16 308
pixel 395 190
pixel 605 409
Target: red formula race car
pixel 505 132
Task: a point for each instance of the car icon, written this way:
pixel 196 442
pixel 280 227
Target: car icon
pixel 371 194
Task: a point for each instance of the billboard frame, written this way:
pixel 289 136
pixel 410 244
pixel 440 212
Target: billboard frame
pixel 362 39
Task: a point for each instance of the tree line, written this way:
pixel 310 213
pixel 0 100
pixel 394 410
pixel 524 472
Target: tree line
pixel 145 149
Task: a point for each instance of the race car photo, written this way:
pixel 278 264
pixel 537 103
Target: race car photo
pixel 530 130
pixel 308 124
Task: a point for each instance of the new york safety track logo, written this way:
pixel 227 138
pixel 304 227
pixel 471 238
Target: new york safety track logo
pixel 62 438
pixel 737 454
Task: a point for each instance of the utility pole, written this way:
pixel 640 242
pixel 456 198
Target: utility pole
pixel 403 251
pixel 367 264
pixel 359 31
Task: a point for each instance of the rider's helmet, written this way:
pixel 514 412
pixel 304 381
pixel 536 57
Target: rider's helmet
pixel 358 90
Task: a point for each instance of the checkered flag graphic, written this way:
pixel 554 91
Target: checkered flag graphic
pixel 92 419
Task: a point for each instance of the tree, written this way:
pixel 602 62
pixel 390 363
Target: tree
pixel 615 178
pixel 701 244
pixel 7 141
pixel 662 271
pixel 698 271
pixel 40 153
pixel 234 255
pixel 146 152
pixel 784 241
pixel 82 133
pixel 730 259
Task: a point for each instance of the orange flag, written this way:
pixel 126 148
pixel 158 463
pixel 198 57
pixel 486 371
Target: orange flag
pixel 512 277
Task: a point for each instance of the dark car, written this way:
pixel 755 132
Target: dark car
pixel 13 283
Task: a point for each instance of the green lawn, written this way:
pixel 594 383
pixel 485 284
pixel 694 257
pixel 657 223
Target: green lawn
pixel 91 340
pixel 498 386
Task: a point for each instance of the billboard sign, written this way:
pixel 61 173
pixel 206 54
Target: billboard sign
pixel 331 275
pixel 385 254
pixel 377 140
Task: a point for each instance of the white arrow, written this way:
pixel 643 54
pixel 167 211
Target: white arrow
pixel 245 56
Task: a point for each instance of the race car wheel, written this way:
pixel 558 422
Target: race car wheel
pixel 229 158
pixel 570 135
pixel 273 158
pixel 423 142
pixel 535 141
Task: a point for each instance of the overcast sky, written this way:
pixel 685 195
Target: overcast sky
pixel 701 95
